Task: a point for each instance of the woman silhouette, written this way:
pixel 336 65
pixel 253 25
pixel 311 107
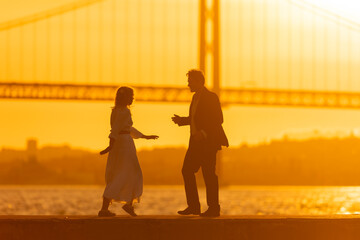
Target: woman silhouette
pixel 123 176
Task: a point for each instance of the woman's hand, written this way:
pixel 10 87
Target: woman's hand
pixel 150 136
pixel 106 150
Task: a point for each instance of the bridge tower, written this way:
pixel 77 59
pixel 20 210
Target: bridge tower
pixel 209 55
pixel 209 42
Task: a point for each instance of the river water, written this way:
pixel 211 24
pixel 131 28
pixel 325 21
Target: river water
pixel 166 200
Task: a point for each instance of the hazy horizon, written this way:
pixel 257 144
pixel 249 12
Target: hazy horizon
pixel 308 134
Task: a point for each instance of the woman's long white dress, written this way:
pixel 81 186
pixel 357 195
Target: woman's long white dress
pixel 123 176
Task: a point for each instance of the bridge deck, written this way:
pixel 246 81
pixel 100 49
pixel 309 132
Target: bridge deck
pixel 265 97
pixel 178 227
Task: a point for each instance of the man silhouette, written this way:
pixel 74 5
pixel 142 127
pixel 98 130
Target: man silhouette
pixel 206 138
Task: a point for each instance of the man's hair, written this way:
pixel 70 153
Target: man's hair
pixel 197 75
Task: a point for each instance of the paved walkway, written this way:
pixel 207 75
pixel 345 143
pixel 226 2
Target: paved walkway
pixel 340 227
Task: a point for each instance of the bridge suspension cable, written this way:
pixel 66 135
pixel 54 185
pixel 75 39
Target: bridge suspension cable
pixel 322 12
pixel 46 14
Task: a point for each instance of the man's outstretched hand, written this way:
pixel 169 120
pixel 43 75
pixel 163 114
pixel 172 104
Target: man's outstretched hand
pixel 176 119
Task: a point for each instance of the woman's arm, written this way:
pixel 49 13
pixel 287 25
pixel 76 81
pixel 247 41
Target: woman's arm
pixel 151 136
pixel 137 134
pixel 106 150
pixel 117 122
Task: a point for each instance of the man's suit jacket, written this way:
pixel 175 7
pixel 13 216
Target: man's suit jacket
pixel 209 118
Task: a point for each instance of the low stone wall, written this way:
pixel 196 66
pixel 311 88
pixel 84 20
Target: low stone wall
pixel 178 227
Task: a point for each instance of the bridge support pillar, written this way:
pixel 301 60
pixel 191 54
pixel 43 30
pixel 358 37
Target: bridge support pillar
pixel 209 42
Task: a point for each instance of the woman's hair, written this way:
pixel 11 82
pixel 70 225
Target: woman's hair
pixel 124 97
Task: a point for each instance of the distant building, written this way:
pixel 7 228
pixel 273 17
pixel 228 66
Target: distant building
pixel 31 150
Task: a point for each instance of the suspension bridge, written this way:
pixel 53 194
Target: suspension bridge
pixel 253 52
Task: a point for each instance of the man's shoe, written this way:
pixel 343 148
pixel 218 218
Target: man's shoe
pixel 106 213
pixel 189 211
pixel 211 212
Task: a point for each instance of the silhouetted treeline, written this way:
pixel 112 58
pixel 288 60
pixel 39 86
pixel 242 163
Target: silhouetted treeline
pixel 289 162
pixel 52 165
pixel 282 162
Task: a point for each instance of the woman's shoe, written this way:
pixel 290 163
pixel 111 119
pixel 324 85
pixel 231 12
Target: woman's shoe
pixel 129 209
pixel 106 213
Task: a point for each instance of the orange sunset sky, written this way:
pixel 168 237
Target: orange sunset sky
pixel 86 124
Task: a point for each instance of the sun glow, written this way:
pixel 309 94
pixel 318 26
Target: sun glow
pixel 345 8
